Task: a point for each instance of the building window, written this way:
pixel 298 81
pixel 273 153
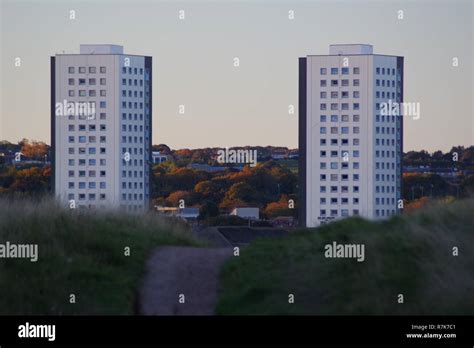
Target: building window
pixel 71 70
pixel 103 70
pixel 102 81
pixel 92 70
pixel 71 82
pixel 323 71
pixel 334 71
pixel 102 93
pixel 82 70
pixel 345 71
pixel 356 71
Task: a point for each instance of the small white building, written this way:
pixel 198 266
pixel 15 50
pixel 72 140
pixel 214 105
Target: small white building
pixel 246 213
pixel 188 213
pixel 158 157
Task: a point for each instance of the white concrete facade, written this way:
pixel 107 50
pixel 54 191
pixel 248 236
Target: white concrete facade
pixel 102 160
pixel 351 163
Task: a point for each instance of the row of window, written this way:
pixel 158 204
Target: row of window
pixel 384 177
pixel 132 70
pixel 335 177
pixel 131 197
pixel 132 174
pixel 134 162
pixel 335 153
pixel 102 196
pixel 132 82
pixel 335 94
pixel 335 83
pixel 344 71
pixel 345 212
pixel 83 93
pixel 384 212
pixel 384 154
pixel 335 165
pixel 384 83
pixel 384 130
pixel 131 105
pixel 333 200
pixel 132 128
pixel 135 117
pixel 82 173
pixel 344 142
pixel 383 165
pixel 82 196
pixel 334 212
pixel 82 150
pixel 92 128
pixel 335 130
pixel 132 185
pixel 383 201
pixel 383 94
pixel 378 70
pixel 84 138
pixel 90 162
pixel 83 185
pixel 135 139
pixel 335 106
pixel 379 118
pixel 82 69
pixel 103 115
pixel 335 189
pixel 384 189
pixel 343 118
pixel 83 82
pixel 132 94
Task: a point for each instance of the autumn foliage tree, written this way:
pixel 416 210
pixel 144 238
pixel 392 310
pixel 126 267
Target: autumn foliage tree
pixel 34 149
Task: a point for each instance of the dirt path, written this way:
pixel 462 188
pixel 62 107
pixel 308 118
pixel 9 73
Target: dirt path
pixel 172 271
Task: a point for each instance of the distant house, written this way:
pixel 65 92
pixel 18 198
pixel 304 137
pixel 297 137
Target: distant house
pixel 211 169
pixel 184 213
pixel 246 213
pixel 279 154
pixel 293 154
pixel 158 157
pixel 188 213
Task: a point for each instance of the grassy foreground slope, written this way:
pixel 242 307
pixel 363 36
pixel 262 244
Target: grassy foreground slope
pixel 410 255
pixel 80 253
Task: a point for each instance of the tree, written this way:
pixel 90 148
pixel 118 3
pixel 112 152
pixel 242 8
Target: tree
pixel 208 209
pixel 176 197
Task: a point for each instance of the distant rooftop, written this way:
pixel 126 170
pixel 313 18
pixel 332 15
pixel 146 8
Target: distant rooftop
pixel 101 49
pixel 350 49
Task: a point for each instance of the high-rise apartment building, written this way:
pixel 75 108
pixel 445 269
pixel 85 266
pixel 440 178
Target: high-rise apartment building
pixel 101 113
pixel 350 146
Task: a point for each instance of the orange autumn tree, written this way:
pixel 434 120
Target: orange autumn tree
pixel 33 149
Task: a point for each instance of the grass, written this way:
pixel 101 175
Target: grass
pixel 410 255
pixel 80 253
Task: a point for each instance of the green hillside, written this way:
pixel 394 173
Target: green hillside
pixel 410 255
pixel 80 253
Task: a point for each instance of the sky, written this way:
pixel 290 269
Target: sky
pixel 193 63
